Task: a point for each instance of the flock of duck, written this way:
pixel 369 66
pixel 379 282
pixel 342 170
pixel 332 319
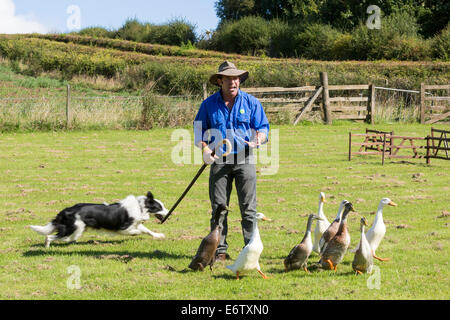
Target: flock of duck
pixel 331 243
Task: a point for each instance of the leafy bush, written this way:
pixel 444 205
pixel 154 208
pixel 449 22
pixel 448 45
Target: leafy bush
pixel 176 33
pixel 401 23
pixel 179 32
pixel 440 45
pixel 133 30
pixel 411 49
pixel 250 35
pixel 342 47
pixel 397 39
pixel 97 32
pixel 316 41
pixel 281 35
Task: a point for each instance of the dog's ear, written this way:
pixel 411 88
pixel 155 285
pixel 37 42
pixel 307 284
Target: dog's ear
pixel 150 196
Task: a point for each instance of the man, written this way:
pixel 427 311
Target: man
pixel 240 118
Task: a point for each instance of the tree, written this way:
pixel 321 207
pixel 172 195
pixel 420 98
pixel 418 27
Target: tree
pixel 268 9
pixel 433 16
pixel 231 10
pixel 301 10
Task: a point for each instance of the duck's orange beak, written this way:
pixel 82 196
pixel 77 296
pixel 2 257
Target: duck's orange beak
pixel 392 203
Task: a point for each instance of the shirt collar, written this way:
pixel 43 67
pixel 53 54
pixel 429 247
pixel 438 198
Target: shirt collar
pixel 219 93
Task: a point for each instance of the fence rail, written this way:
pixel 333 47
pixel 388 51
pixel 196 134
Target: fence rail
pixel 331 106
pixel 330 102
pixel 360 105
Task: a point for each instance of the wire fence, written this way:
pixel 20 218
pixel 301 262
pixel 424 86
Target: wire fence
pixel 405 105
pixel 75 111
pixel 125 112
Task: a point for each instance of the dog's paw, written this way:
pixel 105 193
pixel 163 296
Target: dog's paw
pixel 159 236
pixel 47 242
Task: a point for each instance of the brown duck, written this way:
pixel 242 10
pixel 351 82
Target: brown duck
pixel 332 228
pixel 206 252
pixel 338 245
pixel 298 256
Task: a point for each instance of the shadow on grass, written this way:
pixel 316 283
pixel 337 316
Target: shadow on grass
pixel 316 268
pixel 227 276
pixel 279 270
pixel 156 254
pixel 81 243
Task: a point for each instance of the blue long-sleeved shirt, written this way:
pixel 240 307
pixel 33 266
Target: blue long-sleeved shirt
pixel 214 121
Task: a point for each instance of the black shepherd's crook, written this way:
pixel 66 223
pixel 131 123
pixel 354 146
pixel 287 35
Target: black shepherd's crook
pixel 228 150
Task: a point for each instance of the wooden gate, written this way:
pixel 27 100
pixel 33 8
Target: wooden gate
pixel 434 108
pixel 334 107
pixel 441 145
pixel 299 99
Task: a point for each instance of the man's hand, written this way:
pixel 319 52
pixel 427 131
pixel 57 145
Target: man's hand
pixel 208 157
pixel 260 138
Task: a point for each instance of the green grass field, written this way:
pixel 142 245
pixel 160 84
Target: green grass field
pixel 44 172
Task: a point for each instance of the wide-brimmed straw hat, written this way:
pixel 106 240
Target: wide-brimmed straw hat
pixel 228 69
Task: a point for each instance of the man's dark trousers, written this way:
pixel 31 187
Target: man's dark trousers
pixel 240 169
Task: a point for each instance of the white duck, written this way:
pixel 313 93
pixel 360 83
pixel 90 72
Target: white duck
pixel 330 232
pixel 363 259
pixel 321 225
pixel 248 259
pixel 378 230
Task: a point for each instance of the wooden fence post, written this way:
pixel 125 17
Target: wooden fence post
pixel 422 103
pixel 391 143
pixel 326 97
pixel 384 149
pixel 68 106
pixel 371 102
pixel 350 146
pixel 428 149
pixel 205 91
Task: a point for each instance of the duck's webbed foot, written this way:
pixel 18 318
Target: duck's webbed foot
pixel 263 275
pixel 380 259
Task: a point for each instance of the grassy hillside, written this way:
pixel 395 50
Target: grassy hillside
pixel 183 70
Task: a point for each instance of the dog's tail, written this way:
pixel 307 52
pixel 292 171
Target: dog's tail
pixel 44 230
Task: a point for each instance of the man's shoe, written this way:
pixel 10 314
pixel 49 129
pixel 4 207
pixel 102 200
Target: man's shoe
pixel 222 256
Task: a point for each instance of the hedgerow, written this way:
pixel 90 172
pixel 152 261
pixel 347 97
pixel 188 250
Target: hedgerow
pixel 176 75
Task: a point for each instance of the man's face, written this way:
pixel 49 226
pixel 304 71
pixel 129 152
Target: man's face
pixel 230 85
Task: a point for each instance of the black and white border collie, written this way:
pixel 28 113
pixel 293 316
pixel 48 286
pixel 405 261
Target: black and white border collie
pixel 125 217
